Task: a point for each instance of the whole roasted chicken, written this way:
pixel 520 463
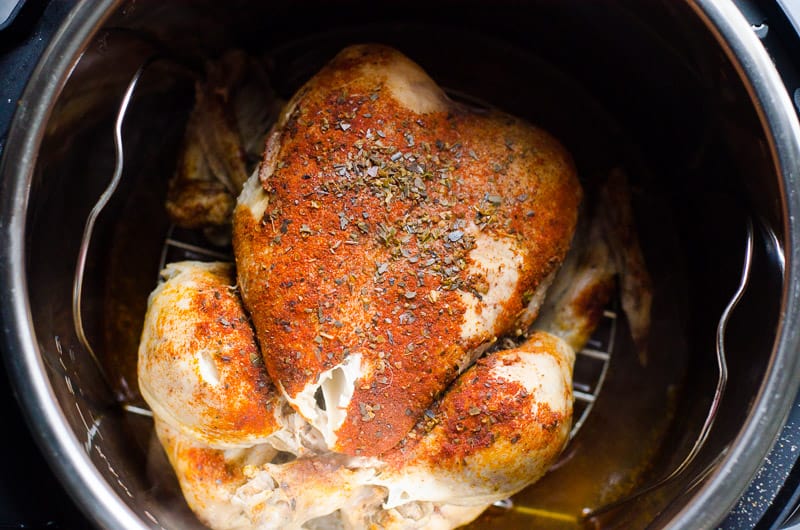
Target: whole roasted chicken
pixel 346 374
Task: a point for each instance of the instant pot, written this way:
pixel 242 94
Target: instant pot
pixel 694 100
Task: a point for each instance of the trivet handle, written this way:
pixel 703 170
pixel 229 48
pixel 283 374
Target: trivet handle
pixel 88 229
pixel 718 392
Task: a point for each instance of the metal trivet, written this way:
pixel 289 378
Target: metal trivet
pixel 591 366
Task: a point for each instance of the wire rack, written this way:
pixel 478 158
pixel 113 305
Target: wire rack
pixel 591 366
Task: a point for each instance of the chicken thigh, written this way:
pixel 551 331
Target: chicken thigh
pixel 201 371
pixel 388 238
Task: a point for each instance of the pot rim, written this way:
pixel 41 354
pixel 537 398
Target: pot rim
pixel 72 464
pixel 726 484
pixel 64 452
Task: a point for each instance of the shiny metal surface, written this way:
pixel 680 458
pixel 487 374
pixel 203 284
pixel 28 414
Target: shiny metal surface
pixel 721 491
pixel 719 392
pixel 111 502
pixel 26 367
pixel 88 229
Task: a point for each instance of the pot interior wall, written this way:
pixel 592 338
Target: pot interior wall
pixel 622 85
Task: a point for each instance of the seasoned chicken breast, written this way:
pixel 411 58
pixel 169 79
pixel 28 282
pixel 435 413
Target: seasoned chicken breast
pixel 389 237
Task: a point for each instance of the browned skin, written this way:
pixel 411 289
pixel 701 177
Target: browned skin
pixel 481 417
pixel 344 261
pixel 490 435
pixel 636 286
pixel 582 288
pixel 206 477
pixel 195 197
pixel 198 310
pixel 215 158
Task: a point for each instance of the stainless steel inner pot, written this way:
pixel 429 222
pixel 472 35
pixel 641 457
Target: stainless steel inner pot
pixel 680 94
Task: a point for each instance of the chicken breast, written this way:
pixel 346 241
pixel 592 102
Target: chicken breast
pixel 390 236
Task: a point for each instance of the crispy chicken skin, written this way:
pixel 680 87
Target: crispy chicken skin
pixel 390 237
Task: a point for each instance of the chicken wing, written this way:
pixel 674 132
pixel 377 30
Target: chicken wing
pixel 234 107
pixel 605 253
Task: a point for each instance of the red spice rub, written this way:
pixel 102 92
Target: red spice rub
pixel 375 203
pixel 199 364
